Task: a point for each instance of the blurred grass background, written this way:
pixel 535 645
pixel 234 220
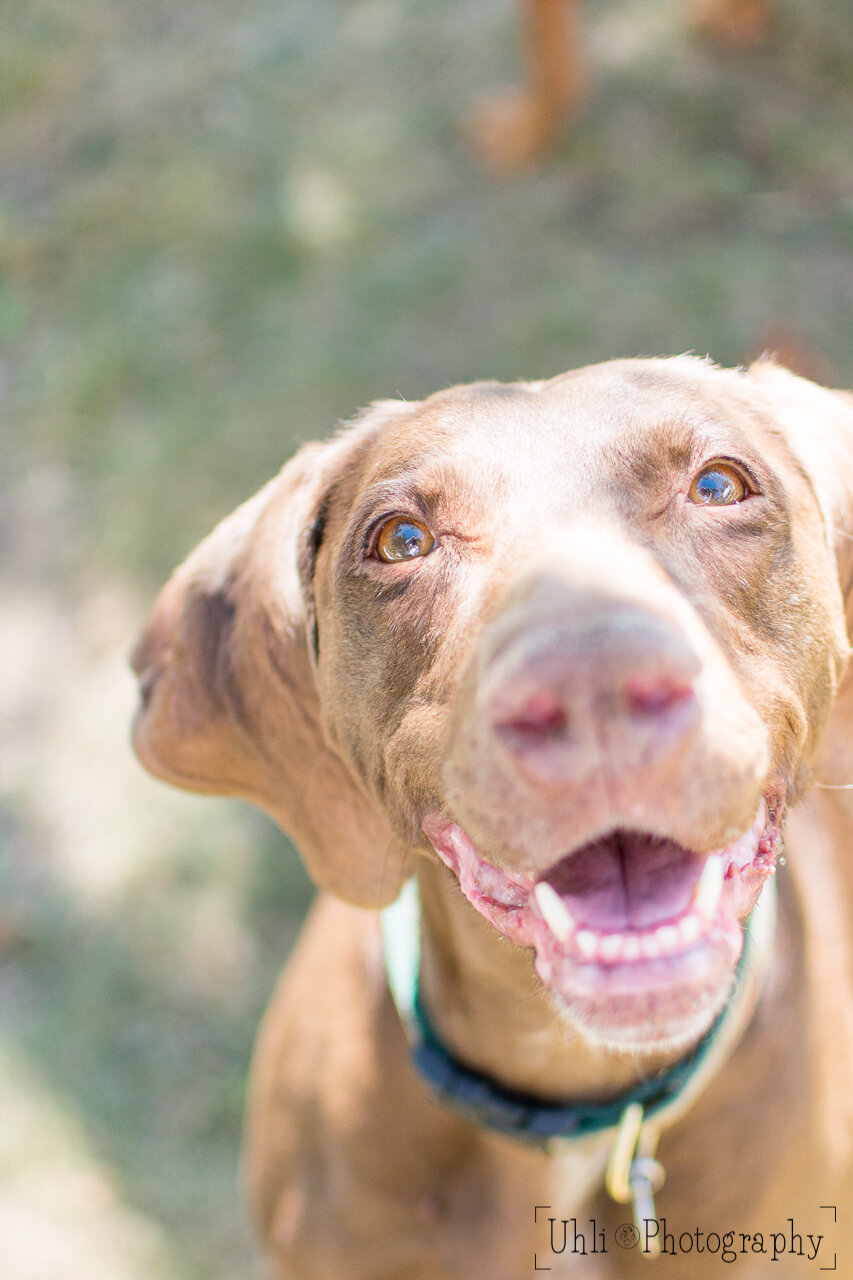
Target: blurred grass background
pixel 223 227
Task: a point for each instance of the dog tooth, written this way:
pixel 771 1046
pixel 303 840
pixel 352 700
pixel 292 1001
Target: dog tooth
pixel 649 946
pixel 631 947
pixel 667 938
pixel 689 929
pixel 586 943
pixel 706 896
pixel 610 947
pixel 554 911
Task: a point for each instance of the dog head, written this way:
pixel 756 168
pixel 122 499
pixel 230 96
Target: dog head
pixel 578 639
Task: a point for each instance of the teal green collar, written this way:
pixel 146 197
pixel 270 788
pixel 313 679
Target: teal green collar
pixel 485 1102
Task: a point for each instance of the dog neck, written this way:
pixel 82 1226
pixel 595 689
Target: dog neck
pixel 487 1006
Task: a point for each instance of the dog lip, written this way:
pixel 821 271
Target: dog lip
pixel 718 890
pixel 638 988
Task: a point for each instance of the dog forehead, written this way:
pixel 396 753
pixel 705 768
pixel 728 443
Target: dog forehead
pixel 625 420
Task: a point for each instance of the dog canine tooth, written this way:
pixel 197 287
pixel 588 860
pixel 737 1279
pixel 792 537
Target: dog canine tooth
pixel 706 896
pixel 554 911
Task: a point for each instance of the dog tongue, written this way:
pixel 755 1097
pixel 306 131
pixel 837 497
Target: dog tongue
pixel 627 881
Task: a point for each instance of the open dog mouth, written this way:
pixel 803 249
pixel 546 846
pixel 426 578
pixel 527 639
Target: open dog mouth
pixel 635 935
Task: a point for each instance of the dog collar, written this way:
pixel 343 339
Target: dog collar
pixel 653 1103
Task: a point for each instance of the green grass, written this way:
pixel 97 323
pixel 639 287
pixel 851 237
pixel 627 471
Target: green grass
pixel 223 227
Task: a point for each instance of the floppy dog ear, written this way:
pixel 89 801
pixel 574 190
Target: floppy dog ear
pixel 229 701
pixel 819 426
pixel 818 423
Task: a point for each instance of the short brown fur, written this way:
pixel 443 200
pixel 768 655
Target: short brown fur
pixel 354 1169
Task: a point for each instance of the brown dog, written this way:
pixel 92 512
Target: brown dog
pixel 568 651
pixel 509 132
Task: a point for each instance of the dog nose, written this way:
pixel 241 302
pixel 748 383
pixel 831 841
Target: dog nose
pixel 613 687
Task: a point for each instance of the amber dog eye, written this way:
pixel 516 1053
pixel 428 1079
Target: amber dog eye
pixel 402 539
pixel 719 485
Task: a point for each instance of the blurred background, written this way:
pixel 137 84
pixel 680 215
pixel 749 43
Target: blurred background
pixel 224 226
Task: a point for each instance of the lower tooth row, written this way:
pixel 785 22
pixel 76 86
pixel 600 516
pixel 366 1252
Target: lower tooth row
pixel 666 940
pixel 481 882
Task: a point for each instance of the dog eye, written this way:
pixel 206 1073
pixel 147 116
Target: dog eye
pixel 402 539
pixel 719 485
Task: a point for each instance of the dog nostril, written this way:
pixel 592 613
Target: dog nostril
pixel 539 716
pixel 654 695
